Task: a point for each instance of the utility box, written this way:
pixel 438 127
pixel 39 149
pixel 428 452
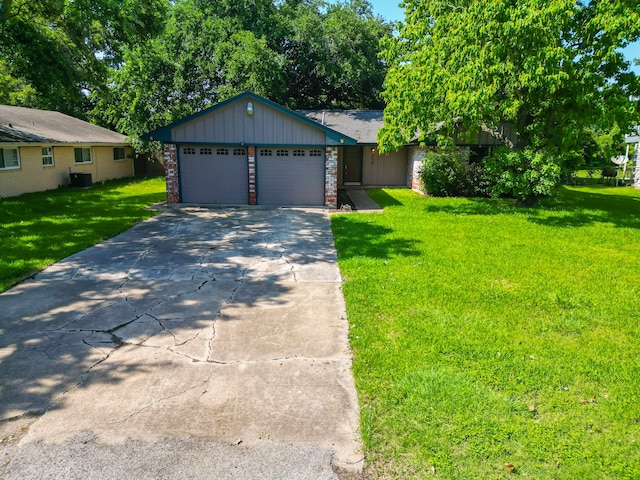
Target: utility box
pixel 81 179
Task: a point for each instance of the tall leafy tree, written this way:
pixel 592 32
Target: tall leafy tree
pixel 300 53
pixel 332 55
pixel 551 69
pixel 59 51
pixel 203 55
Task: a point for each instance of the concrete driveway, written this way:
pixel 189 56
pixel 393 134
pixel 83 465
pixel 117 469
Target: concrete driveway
pixel 202 343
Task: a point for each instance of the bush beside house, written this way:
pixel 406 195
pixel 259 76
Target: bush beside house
pixel 524 175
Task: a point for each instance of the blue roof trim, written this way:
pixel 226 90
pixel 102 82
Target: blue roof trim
pixel 163 134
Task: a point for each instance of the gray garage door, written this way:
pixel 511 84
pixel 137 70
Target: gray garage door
pixel 290 176
pixel 214 175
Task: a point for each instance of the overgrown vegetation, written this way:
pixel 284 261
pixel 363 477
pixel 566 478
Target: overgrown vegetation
pixel 38 229
pixel 547 80
pixel 493 341
pixel 446 174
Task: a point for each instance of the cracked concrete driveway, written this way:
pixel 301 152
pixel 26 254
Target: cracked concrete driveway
pixel 202 343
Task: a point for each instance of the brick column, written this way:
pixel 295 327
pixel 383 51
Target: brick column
pixel 252 175
pixel 416 155
pixel 331 178
pixel 171 173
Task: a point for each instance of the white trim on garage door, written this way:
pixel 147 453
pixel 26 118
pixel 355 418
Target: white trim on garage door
pixel 290 176
pixel 214 175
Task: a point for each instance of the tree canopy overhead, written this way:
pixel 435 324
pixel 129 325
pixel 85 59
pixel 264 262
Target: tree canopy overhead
pixel 55 52
pixel 552 69
pixel 134 65
pixel 300 53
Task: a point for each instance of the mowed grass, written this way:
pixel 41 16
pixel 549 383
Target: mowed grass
pixel 496 342
pixel 38 229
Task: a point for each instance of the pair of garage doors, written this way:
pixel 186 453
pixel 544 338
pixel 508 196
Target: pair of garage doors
pixel 220 175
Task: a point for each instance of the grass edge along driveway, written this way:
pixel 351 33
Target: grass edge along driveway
pixel 491 341
pixel 39 229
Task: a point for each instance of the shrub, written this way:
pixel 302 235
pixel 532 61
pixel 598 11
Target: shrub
pixel 441 173
pixel 475 182
pixel 444 174
pixel 525 175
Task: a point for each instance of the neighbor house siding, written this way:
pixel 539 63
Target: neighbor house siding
pixel 32 176
pixel 106 168
pixel 232 125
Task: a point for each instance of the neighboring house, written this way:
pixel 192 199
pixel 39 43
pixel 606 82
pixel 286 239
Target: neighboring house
pixel 40 148
pixel 251 151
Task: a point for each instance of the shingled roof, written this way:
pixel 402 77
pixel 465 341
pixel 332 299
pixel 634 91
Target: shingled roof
pixel 363 125
pixel 28 125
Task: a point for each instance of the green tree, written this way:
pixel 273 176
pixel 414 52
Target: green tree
pixel 300 53
pixel 59 51
pixel 199 59
pixel 331 55
pixel 551 69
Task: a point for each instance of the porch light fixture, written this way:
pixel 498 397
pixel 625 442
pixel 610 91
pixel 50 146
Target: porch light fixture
pixel 249 108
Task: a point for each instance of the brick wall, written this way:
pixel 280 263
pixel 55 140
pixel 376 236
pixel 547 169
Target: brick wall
pixel 252 175
pixel 416 155
pixel 33 176
pixel 171 173
pixel 331 178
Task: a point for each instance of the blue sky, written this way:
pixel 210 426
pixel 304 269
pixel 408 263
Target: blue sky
pixel 390 10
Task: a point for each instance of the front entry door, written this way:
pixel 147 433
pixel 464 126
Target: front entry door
pixel 352 166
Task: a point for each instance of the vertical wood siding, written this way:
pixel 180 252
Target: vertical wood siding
pixel 231 124
pixel 388 169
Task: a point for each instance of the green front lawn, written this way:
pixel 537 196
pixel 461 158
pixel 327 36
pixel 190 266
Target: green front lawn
pixel 493 341
pixel 38 229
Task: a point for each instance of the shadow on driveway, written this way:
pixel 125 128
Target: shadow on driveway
pixel 236 314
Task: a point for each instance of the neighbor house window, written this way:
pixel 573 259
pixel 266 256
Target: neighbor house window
pixel 118 153
pixel 266 153
pixel 9 158
pixel 82 155
pixel 205 151
pixel 239 151
pixel 189 151
pixel 315 153
pixel 298 153
pixel 222 151
pixel 282 153
pixel 47 156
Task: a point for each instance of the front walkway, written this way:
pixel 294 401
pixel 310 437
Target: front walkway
pixel 362 201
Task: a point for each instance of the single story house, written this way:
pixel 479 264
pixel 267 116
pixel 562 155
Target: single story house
pixel 248 150
pixel 39 149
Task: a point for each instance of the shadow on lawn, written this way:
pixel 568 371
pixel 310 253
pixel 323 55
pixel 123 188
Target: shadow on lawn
pixel 570 208
pixel 356 237
pixel 383 199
